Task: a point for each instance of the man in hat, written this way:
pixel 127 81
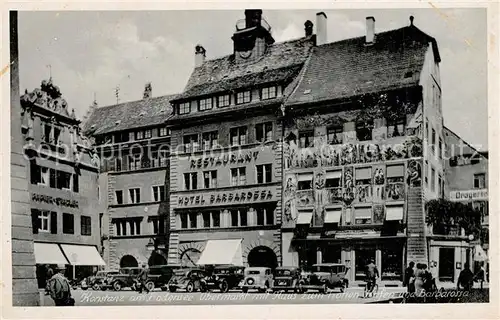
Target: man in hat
pixel 60 288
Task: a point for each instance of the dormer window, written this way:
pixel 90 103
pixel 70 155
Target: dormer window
pixel 396 128
pixel 243 97
pixel 205 104
pixel 268 93
pixel 184 108
pixel 223 101
pixel 139 135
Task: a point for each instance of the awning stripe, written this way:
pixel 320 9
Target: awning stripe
pixel 395 171
pixel 222 252
pixel 363 173
pixel 333 174
pixel 304 217
pixel 333 216
pixel 394 213
pixel 80 255
pixel 363 213
pixel 48 253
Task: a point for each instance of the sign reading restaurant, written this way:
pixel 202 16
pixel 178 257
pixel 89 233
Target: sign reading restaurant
pixel 231 197
pixel 469 195
pixel 223 159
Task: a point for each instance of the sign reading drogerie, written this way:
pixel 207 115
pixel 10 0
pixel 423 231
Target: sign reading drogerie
pixel 469 195
pixel 220 198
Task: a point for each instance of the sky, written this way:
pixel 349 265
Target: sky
pixel 91 53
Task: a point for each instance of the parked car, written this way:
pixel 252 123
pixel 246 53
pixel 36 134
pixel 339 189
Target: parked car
pixel 188 279
pixel 98 281
pixel 324 276
pixel 125 278
pixel 224 278
pixel 286 278
pixel 159 276
pixel 259 278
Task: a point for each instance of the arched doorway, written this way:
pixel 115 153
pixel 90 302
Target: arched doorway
pixel 128 261
pixel 190 257
pixel 156 259
pixel 262 256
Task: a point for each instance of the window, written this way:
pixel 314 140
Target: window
pixel 333 179
pixel 304 181
pixel 57 135
pixel 265 215
pixel 243 97
pixel 334 135
pixel 206 219
pixel 268 93
pixel 134 162
pixel 163 158
pixel 210 179
pixel 433 179
pixel 193 220
pixel 134 226
pixel 363 176
pixel 243 217
pixel 396 128
pixel 364 130
pixel 426 126
pixel 234 218
pixel 139 135
pixel 479 181
pixel 47 130
pixel 264 132
pixel 118 196
pixel 238 136
pixel 44 221
pixel 190 181
pixel 158 193
pixel 162 132
pixel 86 225
pixel 433 139
pixel 118 163
pixel 238 176
pixel 39 175
pixel 441 150
pixel 184 108
pixel 440 185
pixel 216 219
pixel 264 173
pixel 191 143
pixel 363 215
pixel 239 218
pixel 122 137
pixel 134 195
pixel 184 221
pixel 210 140
pixel 68 223
pixel 63 180
pixel 148 133
pixel 426 171
pixel 306 139
pixel 395 173
pixel 205 104
pixel 223 101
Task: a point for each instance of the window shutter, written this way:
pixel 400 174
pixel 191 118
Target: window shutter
pixel 34 220
pixel 76 187
pixel 53 222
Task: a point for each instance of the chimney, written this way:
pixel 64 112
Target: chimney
pixel 199 56
pixel 321 28
pixel 308 27
pixel 253 17
pixel 370 30
pixel 148 91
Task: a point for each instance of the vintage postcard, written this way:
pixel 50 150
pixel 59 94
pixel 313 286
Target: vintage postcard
pixel 218 157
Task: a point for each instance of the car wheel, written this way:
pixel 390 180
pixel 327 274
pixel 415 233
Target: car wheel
pixel 172 289
pixel 190 287
pixel 96 287
pixel 224 286
pixel 323 289
pixel 164 288
pixel 117 286
pixel 150 285
pixel 244 289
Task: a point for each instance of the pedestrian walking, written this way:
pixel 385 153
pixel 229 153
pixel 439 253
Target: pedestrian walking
pixel 143 278
pixel 409 280
pixel 48 276
pixel 480 275
pixel 419 280
pixel 60 288
pixel 465 279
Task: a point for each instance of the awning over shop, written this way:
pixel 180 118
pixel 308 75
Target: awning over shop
pixel 333 215
pixel 79 255
pixel 394 213
pixel 222 252
pixel 304 217
pixel 479 254
pixel 49 253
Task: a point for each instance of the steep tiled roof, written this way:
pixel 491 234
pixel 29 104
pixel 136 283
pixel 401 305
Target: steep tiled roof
pixel 129 115
pixel 281 62
pixel 349 67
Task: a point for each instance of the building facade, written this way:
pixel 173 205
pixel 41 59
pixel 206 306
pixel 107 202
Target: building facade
pixel 62 178
pixel 226 164
pixel 355 144
pixel 134 145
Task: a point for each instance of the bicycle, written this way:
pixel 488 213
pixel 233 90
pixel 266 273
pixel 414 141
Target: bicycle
pixel 371 288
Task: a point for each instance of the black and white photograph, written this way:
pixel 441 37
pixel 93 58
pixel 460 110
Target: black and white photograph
pixel 249 157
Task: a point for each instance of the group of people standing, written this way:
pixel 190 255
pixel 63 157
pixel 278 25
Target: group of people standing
pixel 419 278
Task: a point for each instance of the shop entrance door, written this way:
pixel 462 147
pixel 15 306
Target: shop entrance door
pixel 363 257
pixel 446 264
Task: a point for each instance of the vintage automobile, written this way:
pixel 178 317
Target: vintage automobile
pixel 98 281
pixel 259 278
pixel 159 276
pixel 223 278
pixel 188 279
pixel 324 276
pixel 125 278
pixel 286 278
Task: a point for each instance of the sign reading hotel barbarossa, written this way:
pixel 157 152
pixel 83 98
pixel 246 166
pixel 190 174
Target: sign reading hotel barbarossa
pixel 223 198
pixel 469 195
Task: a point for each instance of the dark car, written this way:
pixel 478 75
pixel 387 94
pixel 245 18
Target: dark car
pixel 159 276
pixel 224 278
pixel 189 279
pixel 125 278
pixel 286 278
pixel 98 281
pixel 324 276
